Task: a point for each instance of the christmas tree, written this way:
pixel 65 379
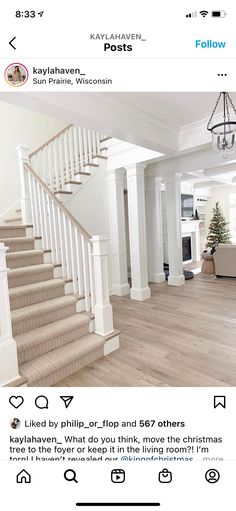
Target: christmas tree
pixel 218 230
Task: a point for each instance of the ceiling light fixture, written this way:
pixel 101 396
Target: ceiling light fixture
pixel 224 132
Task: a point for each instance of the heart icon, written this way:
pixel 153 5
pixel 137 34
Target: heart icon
pixel 16 401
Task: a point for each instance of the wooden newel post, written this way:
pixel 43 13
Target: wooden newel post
pixel 8 352
pixel 23 158
pixel 103 308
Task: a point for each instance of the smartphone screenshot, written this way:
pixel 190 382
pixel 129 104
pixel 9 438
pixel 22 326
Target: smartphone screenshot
pixel 117 255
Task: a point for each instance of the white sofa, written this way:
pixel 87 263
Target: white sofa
pixel 225 260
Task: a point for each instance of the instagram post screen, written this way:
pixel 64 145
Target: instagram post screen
pixel 117 255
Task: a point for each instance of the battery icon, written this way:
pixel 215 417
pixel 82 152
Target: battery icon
pixel 218 14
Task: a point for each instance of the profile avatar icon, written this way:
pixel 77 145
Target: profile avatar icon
pixel 15 423
pixel 212 476
pixel 16 74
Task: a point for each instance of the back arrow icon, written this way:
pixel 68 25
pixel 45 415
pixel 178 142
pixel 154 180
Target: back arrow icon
pixel 11 41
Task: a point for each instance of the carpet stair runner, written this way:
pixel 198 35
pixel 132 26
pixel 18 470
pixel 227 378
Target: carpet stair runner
pixel 53 339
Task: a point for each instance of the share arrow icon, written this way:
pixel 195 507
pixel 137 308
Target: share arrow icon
pixel 67 400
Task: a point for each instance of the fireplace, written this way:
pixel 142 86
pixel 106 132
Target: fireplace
pixel 186 246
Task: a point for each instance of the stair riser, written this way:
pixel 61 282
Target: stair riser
pixel 27 260
pixel 36 297
pixel 72 188
pixel 11 232
pixel 28 278
pixel 36 320
pixel 67 370
pixel 80 306
pixel 51 344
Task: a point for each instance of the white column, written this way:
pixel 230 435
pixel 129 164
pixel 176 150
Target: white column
pixel 174 230
pixel 103 309
pixel 154 229
pixel 137 232
pixel 23 158
pixel 116 212
pixel 8 353
pixel 196 243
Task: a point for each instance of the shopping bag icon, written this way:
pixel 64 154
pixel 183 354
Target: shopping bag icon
pixel 165 476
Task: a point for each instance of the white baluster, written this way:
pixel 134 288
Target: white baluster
pixel 50 167
pixel 56 165
pixel 46 220
pixel 51 230
pixel 62 241
pixel 103 308
pixel 86 273
pixel 98 138
pixel 79 259
pixel 71 151
pixel 44 164
pixel 90 156
pixel 55 233
pixel 67 247
pixel 85 145
pixel 94 146
pixel 73 258
pixel 8 354
pixel 40 209
pixel 34 199
pixel 76 146
pixel 81 149
pixel 61 160
pixel 30 179
pixel 66 151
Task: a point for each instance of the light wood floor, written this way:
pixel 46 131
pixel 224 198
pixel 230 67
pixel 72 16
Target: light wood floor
pixel 182 336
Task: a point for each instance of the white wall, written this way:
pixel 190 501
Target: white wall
pixel 221 194
pixel 19 126
pixel 89 204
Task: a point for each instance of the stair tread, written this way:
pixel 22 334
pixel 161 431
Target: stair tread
pixel 42 308
pixel 46 332
pixel 73 182
pixel 37 268
pixel 35 287
pixel 66 192
pixel 24 253
pixel 17 240
pixel 60 357
pixel 13 219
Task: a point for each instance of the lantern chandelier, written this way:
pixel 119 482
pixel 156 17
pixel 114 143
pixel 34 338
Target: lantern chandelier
pixel 223 131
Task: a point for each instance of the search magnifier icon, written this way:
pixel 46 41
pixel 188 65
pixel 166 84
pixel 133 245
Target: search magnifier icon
pixel 70 475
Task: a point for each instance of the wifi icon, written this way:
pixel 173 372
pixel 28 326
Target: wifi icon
pixel 204 13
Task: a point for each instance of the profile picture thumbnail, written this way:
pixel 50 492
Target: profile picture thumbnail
pixel 16 74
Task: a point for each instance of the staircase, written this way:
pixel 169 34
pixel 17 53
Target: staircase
pixel 67 160
pixel 53 339
pixel 60 314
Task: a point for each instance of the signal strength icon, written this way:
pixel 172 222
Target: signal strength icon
pixel 191 14
pixel 204 13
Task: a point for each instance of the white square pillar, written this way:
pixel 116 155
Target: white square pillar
pixel 116 211
pixel 137 232
pixel 174 229
pixel 154 229
pixel 103 309
pixel 23 158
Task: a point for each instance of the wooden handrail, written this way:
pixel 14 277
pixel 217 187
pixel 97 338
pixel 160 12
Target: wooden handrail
pixel 59 204
pixel 51 140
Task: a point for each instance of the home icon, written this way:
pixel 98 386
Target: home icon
pixel 23 477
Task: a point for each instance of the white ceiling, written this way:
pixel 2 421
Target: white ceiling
pixel 152 120
pixel 179 108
